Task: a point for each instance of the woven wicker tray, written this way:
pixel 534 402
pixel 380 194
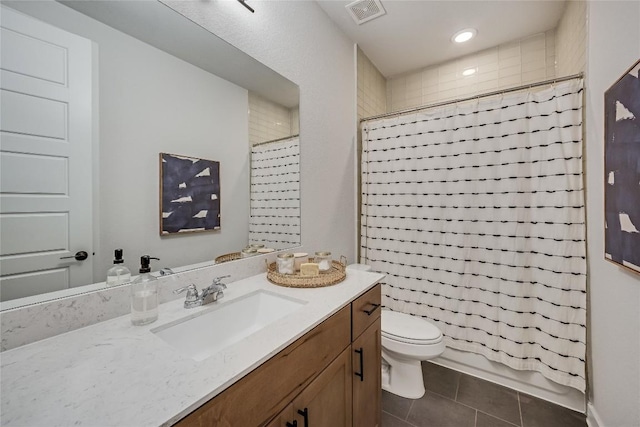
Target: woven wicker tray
pixel 336 275
pixel 228 257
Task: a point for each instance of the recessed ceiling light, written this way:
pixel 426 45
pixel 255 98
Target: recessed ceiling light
pixel 469 72
pixel 464 35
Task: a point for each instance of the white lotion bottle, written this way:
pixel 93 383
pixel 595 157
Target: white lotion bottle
pixel 118 274
pixel 144 295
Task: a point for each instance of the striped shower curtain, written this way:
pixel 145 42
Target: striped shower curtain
pixel 475 212
pixel 275 194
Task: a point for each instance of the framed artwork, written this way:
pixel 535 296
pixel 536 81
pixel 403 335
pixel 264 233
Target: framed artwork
pixel 189 194
pixel 622 170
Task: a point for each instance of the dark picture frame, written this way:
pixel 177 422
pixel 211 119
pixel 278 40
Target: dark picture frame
pixel 189 194
pixel 622 170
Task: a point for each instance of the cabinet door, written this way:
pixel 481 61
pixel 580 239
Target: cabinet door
pixel 367 387
pixel 326 402
pixel 284 419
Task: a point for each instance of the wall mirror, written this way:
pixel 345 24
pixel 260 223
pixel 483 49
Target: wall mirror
pixel 92 93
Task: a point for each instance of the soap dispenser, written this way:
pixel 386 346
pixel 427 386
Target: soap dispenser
pixel 118 274
pixel 144 295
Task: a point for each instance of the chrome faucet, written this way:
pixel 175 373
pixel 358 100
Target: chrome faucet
pixel 209 294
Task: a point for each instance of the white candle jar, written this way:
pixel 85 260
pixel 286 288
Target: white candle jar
pixel 323 259
pixel 299 259
pixel 248 252
pixel 285 263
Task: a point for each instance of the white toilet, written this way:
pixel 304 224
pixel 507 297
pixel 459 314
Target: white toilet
pixel 406 341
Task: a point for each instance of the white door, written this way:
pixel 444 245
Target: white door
pixel 45 157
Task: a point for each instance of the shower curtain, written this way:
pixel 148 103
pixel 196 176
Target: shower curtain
pixel 275 194
pixel 475 213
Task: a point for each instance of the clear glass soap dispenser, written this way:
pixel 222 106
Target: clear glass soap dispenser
pixel 144 295
pixel 118 274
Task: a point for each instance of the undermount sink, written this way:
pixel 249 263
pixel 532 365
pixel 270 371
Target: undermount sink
pixel 206 333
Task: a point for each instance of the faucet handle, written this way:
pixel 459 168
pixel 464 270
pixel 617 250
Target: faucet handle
pixel 166 271
pixel 217 281
pixel 192 292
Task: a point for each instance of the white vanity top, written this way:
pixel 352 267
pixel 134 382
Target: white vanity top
pixel 116 374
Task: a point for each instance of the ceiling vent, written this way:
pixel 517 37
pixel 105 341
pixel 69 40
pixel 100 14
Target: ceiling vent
pixel 365 10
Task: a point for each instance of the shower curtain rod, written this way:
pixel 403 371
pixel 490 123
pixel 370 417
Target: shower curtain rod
pixel 276 140
pixel 469 98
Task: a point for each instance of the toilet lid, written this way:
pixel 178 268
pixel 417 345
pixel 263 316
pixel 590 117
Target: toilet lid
pixel 406 328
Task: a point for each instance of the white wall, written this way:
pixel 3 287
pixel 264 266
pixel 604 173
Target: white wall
pixel 152 102
pixel 166 105
pixel 613 46
pixel 297 39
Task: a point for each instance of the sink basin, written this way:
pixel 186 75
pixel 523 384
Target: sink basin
pixel 206 333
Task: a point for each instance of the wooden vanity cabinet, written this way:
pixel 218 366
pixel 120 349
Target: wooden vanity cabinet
pixel 311 383
pixel 366 359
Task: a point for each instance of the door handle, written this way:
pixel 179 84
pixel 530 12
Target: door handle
pixel 305 415
pixel 361 373
pixel 79 256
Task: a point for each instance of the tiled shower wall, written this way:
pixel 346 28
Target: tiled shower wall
pixel 372 88
pixel 268 120
pixel 527 60
pixel 571 39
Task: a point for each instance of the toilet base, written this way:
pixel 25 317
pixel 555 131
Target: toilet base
pixel 404 379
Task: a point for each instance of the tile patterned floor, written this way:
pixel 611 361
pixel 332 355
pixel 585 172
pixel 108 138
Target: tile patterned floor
pixel 458 400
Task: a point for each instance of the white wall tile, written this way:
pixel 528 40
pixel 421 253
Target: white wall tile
pixel 484 77
pixel 373 93
pixel 268 120
pixel 541 64
pixel 511 71
pixel 448 76
pixel 570 41
pixel 509 62
pixel 534 76
pixel 527 60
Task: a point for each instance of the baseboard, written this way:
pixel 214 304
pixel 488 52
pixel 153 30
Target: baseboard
pixel 532 383
pixel 593 420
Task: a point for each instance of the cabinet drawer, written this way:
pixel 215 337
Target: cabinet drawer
pixel 364 311
pixel 258 397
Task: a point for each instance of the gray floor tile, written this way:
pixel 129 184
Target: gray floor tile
pixel 389 420
pixel 434 410
pixel 439 379
pixel 489 398
pixel 396 405
pixel 485 420
pixel 540 413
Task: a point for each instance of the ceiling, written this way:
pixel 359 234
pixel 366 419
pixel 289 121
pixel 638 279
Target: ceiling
pixel 416 34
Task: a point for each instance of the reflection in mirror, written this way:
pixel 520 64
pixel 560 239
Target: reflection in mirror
pixel 92 92
pixel 275 175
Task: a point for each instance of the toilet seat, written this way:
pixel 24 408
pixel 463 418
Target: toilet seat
pixel 409 329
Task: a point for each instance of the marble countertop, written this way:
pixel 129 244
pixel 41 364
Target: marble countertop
pixel 116 374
